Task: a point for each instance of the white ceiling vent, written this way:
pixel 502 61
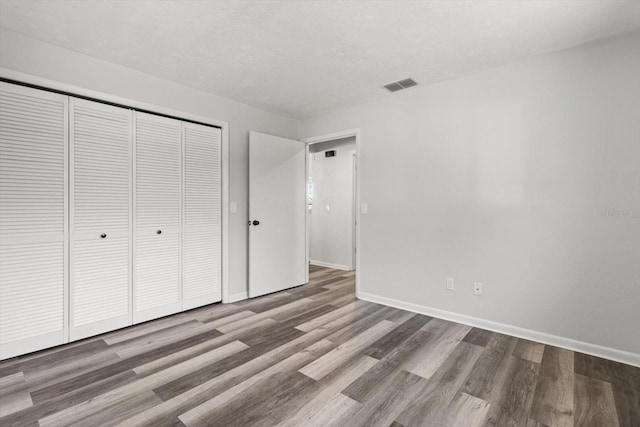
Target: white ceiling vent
pixel 401 84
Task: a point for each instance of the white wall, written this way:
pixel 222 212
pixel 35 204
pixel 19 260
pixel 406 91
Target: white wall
pixel 27 55
pixel 525 178
pixel 331 218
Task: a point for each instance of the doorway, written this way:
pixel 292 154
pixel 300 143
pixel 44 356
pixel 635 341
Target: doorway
pixel 332 201
pixel 279 223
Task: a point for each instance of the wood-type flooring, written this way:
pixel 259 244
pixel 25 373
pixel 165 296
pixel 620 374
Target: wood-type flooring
pixel 314 356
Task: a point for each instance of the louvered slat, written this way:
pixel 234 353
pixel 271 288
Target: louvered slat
pixel 157 284
pixel 202 199
pixel 101 149
pixel 101 278
pixel 33 144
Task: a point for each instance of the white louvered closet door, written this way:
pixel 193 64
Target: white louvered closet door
pixel 202 232
pixel 101 151
pixel 158 157
pixel 33 190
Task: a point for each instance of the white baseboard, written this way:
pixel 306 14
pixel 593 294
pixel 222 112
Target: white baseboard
pixel 329 265
pixel 238 297
pixel 567 343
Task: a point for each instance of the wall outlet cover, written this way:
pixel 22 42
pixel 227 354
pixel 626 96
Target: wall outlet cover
pixel 477 288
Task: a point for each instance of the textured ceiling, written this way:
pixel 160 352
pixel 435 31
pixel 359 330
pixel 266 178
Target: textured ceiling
pixel 303 58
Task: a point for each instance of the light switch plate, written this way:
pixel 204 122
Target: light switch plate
pixel 233 207
pixel 451 284
pixel 364 207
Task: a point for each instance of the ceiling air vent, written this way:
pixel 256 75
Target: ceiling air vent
pixel 399 85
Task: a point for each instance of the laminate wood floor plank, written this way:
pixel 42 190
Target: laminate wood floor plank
pixel 271 400
pixel 594 403
pixel 311 345
pixel 219 392
pixel 15 402
pixel 121 365
pixel 9 380
pixel 116 396
pixel 327 395
pixel 203 374
pixel 389 403
pixel 386 344
pixel 224 320
pixel 107 416
pixel 365 387
pixel 466 410
pixel 286 308
pixel 309 315
pixel 360 325
pixel 446 336
pixel 334 412
pixel 313 355
pixel 529 350
pixel 159 339
pixel 327 297
pixel 52 357
pixel 488 379
pixel 257 304
pixel 335 358
pixel 616 373
pixel 46 378
pixel 344 282
pixel 344 300
pixel 514 407
pixel 429 407
pixel 61 402
pixel 627 402
pixel 257 404
pixel 478 336
pixel 553 403
pixel 351 309
pixel 70 368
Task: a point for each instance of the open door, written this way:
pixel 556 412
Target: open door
pixel 277 214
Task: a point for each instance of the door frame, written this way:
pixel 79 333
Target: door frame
pixel 19 77
pixel 331 137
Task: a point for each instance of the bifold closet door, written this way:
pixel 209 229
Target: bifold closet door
pixel 101 208
pixel 201 276
pixel 158 157
pixel 33 194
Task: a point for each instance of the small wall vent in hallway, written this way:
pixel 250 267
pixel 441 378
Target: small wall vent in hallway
pixel 401 84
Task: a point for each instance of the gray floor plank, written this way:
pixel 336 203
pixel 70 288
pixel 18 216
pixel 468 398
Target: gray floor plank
pixel 314 355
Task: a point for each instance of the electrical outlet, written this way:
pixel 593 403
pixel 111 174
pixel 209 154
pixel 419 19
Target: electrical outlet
pixel 450 284
pixel 477 288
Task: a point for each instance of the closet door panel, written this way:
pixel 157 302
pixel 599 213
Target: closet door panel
pixel 100 215
pixel 158 178
pixel 101 269
pixel 202 216
pixel 33 192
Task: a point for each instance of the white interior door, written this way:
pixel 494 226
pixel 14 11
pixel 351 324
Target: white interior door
pixel 158 172
pixel 277 213
pixel 33 194
pixel 101 152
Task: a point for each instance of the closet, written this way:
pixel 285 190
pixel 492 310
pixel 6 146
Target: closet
pixel 108 217
pixel 158 195
pixel 100 199
pixel 33 219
